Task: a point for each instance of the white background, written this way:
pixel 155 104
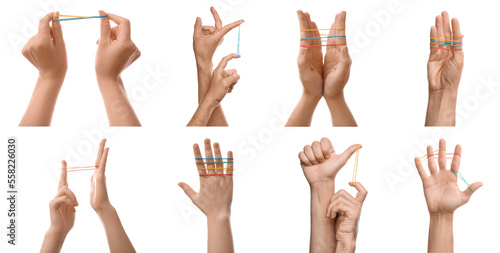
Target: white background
pixel 387 93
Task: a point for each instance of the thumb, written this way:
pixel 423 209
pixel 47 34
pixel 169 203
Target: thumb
pixel 105 28
pixel 468 192
pixel 188 190
pixel 349 152
pixel 57 30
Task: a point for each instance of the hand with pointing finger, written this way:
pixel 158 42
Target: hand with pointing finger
pixel 62 215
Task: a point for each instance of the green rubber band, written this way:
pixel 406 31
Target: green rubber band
pixel 463 179
pixel 448 45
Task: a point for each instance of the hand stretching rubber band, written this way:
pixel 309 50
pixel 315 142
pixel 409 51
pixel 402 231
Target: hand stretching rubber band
pixel 214 163
pixel 450 49
pixel 463 179
pixel 355 172
pixel 207 175
pixel 322 37
pixel 328 45
pixel 66 19
pixel 310 30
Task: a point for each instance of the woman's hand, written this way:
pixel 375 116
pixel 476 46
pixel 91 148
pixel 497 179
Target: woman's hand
pixel 223 81
pixel 47 51
pixel 62 207
pixel 116 50
pixel 321 164
pixel 347 211
pixel 440 188
pixel 98 191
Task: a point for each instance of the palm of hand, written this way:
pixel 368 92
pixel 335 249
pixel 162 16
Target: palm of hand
pixel 442 193
pixel 215 196
pixel 310 62
pixel 323 172
pixel 444 70
pixel 336 72
pixel 98 197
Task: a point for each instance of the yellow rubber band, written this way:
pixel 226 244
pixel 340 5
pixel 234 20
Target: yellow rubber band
pixel 355 172
pixel 423 158
pixel 446 40
pixel 72 16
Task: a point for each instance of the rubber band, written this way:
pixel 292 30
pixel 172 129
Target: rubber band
pixel 218 169
pixel 214 158
pixel 463 179
pixel 71 16
pixel 214 163
pixel 450 49
pixel 207 175
pixel 327 45
pixel 239 30
pixel 322 37
pixel 309 30
pixel 355 172
pixel 67 19
pixel 81 168
pixel 425 157
pixel 435 43
pixel 446 40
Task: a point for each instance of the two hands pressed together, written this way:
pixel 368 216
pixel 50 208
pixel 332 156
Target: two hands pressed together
pixel 334 215
pixel 215 196
pixel 322 76
pixel 46 50
pixel 212 85
pixel 63 210
pixel 443 196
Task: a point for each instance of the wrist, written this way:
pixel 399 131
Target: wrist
pixel 311 96
pixel 441 217
pixel 345 246
pixel 56 233
pixel 336 98
pixel 219 217
pixel 51 80
pixel 441 108
pixel 105 209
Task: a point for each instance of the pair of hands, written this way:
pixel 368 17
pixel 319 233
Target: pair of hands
pixel 62 207
pixel 444 70
pixel 115 52
pixel 320 164
pixel 323 77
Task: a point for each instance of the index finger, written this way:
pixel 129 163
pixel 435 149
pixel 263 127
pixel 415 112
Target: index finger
pixel 99 153
pixel 63 179
pixel 123 23
pixel 223 63
pixel 102 164
pixel 230 27
pixel 44 25
pixel 218 22
pixel 362 192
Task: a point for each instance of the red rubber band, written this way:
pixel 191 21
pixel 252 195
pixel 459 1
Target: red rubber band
pixel 327 45
pixel 206 175
pixel 450 49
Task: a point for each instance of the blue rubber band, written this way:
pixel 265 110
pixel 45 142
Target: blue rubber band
pixel 326 37
pixel 66 19
pixel 463 179
pixel 239 29
pixel 448 45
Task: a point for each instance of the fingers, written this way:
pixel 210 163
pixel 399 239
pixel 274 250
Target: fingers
pixel 218 21
pixel 455 163
pixel 105 28
pixel 446 25
pixel 467 194
pixel 230 166
pixel 318 152
pixel 123 23
pixel 310 154
pixel 223 63
pixel 56 203
pixel 197 27
pixel 44 29
pixel 209 157
pixel 57 29
pixel 434 35
pixel 362 192
pixel 442 155
pixel 326 147
pixel 219 168
pixel 430 160
pixel 188 190
pixel 99 152
pixel 439 26
pixel 420 169
pixel 349 152
pixel 199 161
pixel 102 164
pixel 303 26
pixel 457 35
pixel 65 191
pixel 303 159
pixel 231 26
pixel 63 178
pixel 208 29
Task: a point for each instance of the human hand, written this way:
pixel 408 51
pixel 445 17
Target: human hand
pixel 440 188
pixel 321 164
pixel 216 191
pixel 310 59
pixel 98 191
pixel 337 66
pixel 62 207
pixel 47 51
pixel 347 210
pixel 116 50
pixel 206 39
pixel 223 81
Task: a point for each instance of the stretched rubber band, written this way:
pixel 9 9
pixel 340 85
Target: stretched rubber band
pixel 214 163
pixel 71 16
pixel 207 175
pixel 214 158
pixel 355 172
pixel 218 169
pixel 81 168
pixel 322 37
pixel 327 45
pixel 450 49
pixel 463 179
pixel 425 157
pixel 239 30
pixel 448 45
pixel 309 30
pixel 67 19
pixel 446 40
